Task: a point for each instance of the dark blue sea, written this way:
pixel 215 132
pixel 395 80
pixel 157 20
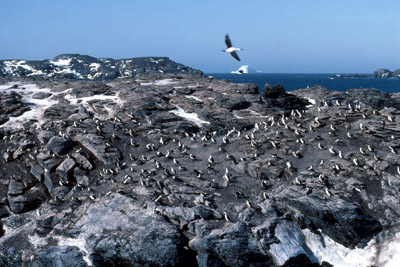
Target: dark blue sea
pixel 297 80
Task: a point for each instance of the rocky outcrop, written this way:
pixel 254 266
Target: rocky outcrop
pixel 275 96
pixel 184 170
pixel 385 73
pixel 11 106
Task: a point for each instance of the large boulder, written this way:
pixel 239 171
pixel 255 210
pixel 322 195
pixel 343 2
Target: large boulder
pixel 152 241
pixel 232 245
pixel 273 91
pixel 341 220
pixel 274 96
pixel 22 198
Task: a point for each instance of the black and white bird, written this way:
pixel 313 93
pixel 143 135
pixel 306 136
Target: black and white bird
pixel 231 49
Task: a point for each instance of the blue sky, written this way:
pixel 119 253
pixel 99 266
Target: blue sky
pixel 278 36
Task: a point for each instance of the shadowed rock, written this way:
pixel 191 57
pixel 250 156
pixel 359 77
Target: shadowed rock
pixel 59 145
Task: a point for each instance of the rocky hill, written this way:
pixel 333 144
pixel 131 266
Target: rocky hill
pixel 184 170
pixel 75 66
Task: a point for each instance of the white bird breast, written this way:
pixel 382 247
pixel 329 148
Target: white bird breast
pixel 232 49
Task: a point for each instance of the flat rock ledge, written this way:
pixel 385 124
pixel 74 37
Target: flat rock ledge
pixel 185 170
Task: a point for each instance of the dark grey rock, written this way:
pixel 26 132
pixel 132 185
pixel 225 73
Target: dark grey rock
pixel 59 111
pixel 65 168
pixel 82 161
pixel 30 199
pixel 7 156
pixel 48 182
pixel 11 105
pixel 91 89
pixel 81 178
pixel 38 172
pixel 61 256
pixel 343 221
pixel 46 225
pixel 207 213
pixel 273 91
pixel 153 241
pixel 59 145
pixel 47 161
pixel 96 145
pixel 233 103
pixel 3 204
pixel 374 98
pixel 44 136
pixel 232 245
pixel 41 95
pixel 275 96
pixel 181 214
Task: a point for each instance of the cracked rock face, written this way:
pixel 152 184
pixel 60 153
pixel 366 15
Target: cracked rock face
pixel 177 169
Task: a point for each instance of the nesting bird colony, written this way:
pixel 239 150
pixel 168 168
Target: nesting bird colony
pixel 202 171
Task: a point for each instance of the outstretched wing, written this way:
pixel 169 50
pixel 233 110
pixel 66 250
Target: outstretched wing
pixel 235 55
pixel 228 41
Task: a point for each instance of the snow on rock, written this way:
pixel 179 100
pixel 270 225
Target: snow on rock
pixel 160 82
pixel 94 66
pixel 61 62
pixel 194 98
pixel 68 70
pixel 87 67
pixel 38 106
pixel 193 117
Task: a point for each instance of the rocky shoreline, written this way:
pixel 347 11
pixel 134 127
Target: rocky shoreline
pixel 178 169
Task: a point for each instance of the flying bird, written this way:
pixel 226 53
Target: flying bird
pixel 231 49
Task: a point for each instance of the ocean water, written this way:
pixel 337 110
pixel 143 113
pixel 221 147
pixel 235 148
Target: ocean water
pixel 294 81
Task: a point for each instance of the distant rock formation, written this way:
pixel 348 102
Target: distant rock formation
pixel 380 73
pixel 83 67
pixel 385 73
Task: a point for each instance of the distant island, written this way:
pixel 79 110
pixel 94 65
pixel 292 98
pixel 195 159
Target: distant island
pixel 379 73
pixel 83 67
pixel 385 73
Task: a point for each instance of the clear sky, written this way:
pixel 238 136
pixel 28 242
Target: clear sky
pixel 278 36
